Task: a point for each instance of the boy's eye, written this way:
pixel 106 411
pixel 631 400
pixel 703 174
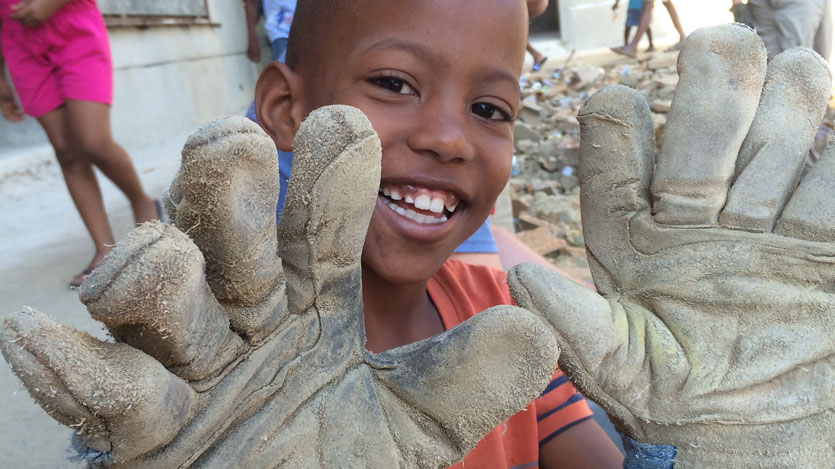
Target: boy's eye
pixel 490 112
pixel 393 84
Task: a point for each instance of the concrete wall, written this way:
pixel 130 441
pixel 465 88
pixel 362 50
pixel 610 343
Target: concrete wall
pixel 168 79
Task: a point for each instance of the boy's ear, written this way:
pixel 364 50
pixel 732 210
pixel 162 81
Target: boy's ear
pixel 278 104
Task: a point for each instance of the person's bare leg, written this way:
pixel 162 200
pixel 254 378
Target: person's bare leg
pixel 631 48
pixel 90 128
pixel 81 184
pixel 671 9
pixel 626 31
pixel 643 25
pixel 651 47
pixel 537 56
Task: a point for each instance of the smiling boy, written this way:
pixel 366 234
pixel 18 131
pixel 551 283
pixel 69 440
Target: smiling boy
pixel 438 80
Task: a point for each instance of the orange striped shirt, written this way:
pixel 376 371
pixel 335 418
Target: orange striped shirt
pixel 460 291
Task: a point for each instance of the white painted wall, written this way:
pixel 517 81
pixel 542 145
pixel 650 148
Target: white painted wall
pixel 168 79
pixel 588 24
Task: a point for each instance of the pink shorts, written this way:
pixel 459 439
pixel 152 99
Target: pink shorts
pixel 67 57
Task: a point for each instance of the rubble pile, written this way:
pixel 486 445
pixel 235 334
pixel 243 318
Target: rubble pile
pixel 544 185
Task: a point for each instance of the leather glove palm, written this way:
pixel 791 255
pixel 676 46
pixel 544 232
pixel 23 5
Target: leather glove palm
pixel 715 332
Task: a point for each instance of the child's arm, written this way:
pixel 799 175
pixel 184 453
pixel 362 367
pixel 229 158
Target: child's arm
pixel 615 6
pixel 8 106
pixel 253 50
pixel 35 12
pixel 584 445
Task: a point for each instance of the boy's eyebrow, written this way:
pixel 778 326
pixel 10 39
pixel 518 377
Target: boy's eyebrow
pixel 413 48
pixel 424 53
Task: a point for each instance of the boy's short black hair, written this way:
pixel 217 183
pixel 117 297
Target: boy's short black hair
pixel 312 21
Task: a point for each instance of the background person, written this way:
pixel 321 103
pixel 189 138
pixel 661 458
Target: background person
pixel 631 49
pixel 633 18
pixel 783 24
pixel 59 60
pixel 278 16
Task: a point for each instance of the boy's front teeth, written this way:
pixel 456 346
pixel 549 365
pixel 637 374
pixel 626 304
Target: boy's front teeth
pixel 424 202
pixel 434 201
pixel 414 216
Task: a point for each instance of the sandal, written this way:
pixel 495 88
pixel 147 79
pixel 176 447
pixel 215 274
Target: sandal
pixel 80 278
pixel 538 65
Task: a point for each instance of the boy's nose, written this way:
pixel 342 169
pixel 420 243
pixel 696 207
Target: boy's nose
pixel 442 130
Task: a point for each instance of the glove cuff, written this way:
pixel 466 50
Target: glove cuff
pixel 804 442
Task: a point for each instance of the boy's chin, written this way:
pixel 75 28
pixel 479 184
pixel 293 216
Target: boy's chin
pixel 402 270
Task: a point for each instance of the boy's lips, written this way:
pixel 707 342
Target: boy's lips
pixel 420 211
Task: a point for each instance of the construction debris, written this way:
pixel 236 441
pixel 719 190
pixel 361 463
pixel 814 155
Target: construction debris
pixel 545 195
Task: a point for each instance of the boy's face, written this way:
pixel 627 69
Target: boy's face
pixel 439 81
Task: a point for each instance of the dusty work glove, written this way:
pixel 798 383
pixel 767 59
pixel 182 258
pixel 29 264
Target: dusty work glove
pixel 713 344
pixel 290 383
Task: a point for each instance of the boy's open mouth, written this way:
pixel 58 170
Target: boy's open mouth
pixel 419 204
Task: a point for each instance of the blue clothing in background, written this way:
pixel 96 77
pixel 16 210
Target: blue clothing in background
pixel 633 17
pixel 481 241
pixel 278 16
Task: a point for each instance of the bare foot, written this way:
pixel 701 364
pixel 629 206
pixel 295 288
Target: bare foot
pixel 622 50
pixel 147 210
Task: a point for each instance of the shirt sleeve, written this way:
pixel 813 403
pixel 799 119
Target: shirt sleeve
pixel 559 408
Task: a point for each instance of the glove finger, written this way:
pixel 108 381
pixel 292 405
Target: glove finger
pixel 793 103
pixel 174 318
pixel 810 213
pixel 601 348
pixel 504 355
pixel 329 201
pixel 722 70
pixel 120 402
pixel 228 189
pixel 616 162
pixel 172 196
